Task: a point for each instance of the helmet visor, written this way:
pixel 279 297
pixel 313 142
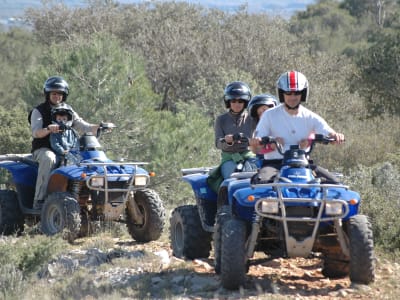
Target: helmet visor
pixel 237 96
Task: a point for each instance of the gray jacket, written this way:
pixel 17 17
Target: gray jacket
pixel 229 123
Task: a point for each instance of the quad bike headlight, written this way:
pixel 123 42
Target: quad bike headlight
pixel 333 208
pixel 269 207
pixel 97 181
pixel 140 180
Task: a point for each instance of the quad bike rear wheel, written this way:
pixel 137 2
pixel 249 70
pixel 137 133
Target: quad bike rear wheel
pixel 11 217
pixel 61 213
pixel 148 205
pixel 187 236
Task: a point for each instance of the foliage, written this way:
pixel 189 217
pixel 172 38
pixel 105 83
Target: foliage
pixel 14 130
pixel 18 50
pixel 174 142
pixel 99 73
pixel 379 189
pixel 326 28
pixel 182 43
pixel 380 12
pixel 21 258
pixel 378 79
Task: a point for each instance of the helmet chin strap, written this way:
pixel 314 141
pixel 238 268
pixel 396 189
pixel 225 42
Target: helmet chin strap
pixel 292 108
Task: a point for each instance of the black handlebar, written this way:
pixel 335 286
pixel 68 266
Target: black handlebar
pixel 104 127
pixel 237 137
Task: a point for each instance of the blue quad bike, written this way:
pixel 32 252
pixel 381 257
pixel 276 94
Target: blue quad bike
pixel 192 226
pixel 296 215
pixel 86 188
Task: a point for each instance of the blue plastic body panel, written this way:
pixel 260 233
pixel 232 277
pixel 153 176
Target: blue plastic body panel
pixel 22 173
pixel 200 187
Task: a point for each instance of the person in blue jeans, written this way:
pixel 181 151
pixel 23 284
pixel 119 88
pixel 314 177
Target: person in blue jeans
pixel 232 132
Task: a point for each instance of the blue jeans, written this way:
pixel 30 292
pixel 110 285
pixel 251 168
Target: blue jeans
pixel 227 168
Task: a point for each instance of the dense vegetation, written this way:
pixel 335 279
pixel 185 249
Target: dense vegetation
pixel 158 71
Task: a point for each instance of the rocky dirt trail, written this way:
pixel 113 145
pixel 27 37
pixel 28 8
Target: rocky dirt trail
pixel 129 264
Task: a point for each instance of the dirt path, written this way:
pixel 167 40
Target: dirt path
pixel 296 278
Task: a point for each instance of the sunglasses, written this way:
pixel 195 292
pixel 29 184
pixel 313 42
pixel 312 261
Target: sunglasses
pixel 292 93
pixel 57 93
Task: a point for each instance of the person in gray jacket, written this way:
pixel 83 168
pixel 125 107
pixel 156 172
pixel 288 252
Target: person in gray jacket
pixel 233 129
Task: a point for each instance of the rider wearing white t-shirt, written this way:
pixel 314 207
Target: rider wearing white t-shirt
pixel 292 124
pixel 277 122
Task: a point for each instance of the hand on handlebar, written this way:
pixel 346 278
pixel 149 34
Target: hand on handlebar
pixel 234 138
pixel 338 137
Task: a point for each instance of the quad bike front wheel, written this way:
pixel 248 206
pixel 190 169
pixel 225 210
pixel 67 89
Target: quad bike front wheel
pixel 11 218
pixel 187 236
pixel 223 215
pixel 233 254
pixel 145 215
pixel 61 213
pixel 362 257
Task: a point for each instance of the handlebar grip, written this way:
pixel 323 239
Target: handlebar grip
pixel 238 136
pixel 267 140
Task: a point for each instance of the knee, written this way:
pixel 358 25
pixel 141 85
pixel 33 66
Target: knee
pixel 48 159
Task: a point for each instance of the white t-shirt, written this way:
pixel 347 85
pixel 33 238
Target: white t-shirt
pixel 277 122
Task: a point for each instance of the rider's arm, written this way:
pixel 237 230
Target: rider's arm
pixel 322 127
pixel 82 125
pixel 37 125
pixel 220 141
pixel 224 129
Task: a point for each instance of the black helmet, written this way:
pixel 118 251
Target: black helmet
pixel 56 84
pixel 62 109
pixel 237 90
pixel 292 81
pixel 257 101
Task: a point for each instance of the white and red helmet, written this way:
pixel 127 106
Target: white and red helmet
pixel 292 81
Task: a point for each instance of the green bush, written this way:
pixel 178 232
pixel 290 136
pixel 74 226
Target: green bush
pixel 379 189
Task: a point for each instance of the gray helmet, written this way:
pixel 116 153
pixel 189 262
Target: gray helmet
pixel 62 109
pixel 257 101
pixel 237 90
pixel 292 81
pixel 56 84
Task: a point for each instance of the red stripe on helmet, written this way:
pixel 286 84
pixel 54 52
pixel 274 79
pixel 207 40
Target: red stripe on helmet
pixel 292 80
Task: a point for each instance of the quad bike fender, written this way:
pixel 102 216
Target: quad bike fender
pixel 237 185
pixel 22 173
pixel 200 187
pixel 72 172
pixel 353 199
pixel 239 200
